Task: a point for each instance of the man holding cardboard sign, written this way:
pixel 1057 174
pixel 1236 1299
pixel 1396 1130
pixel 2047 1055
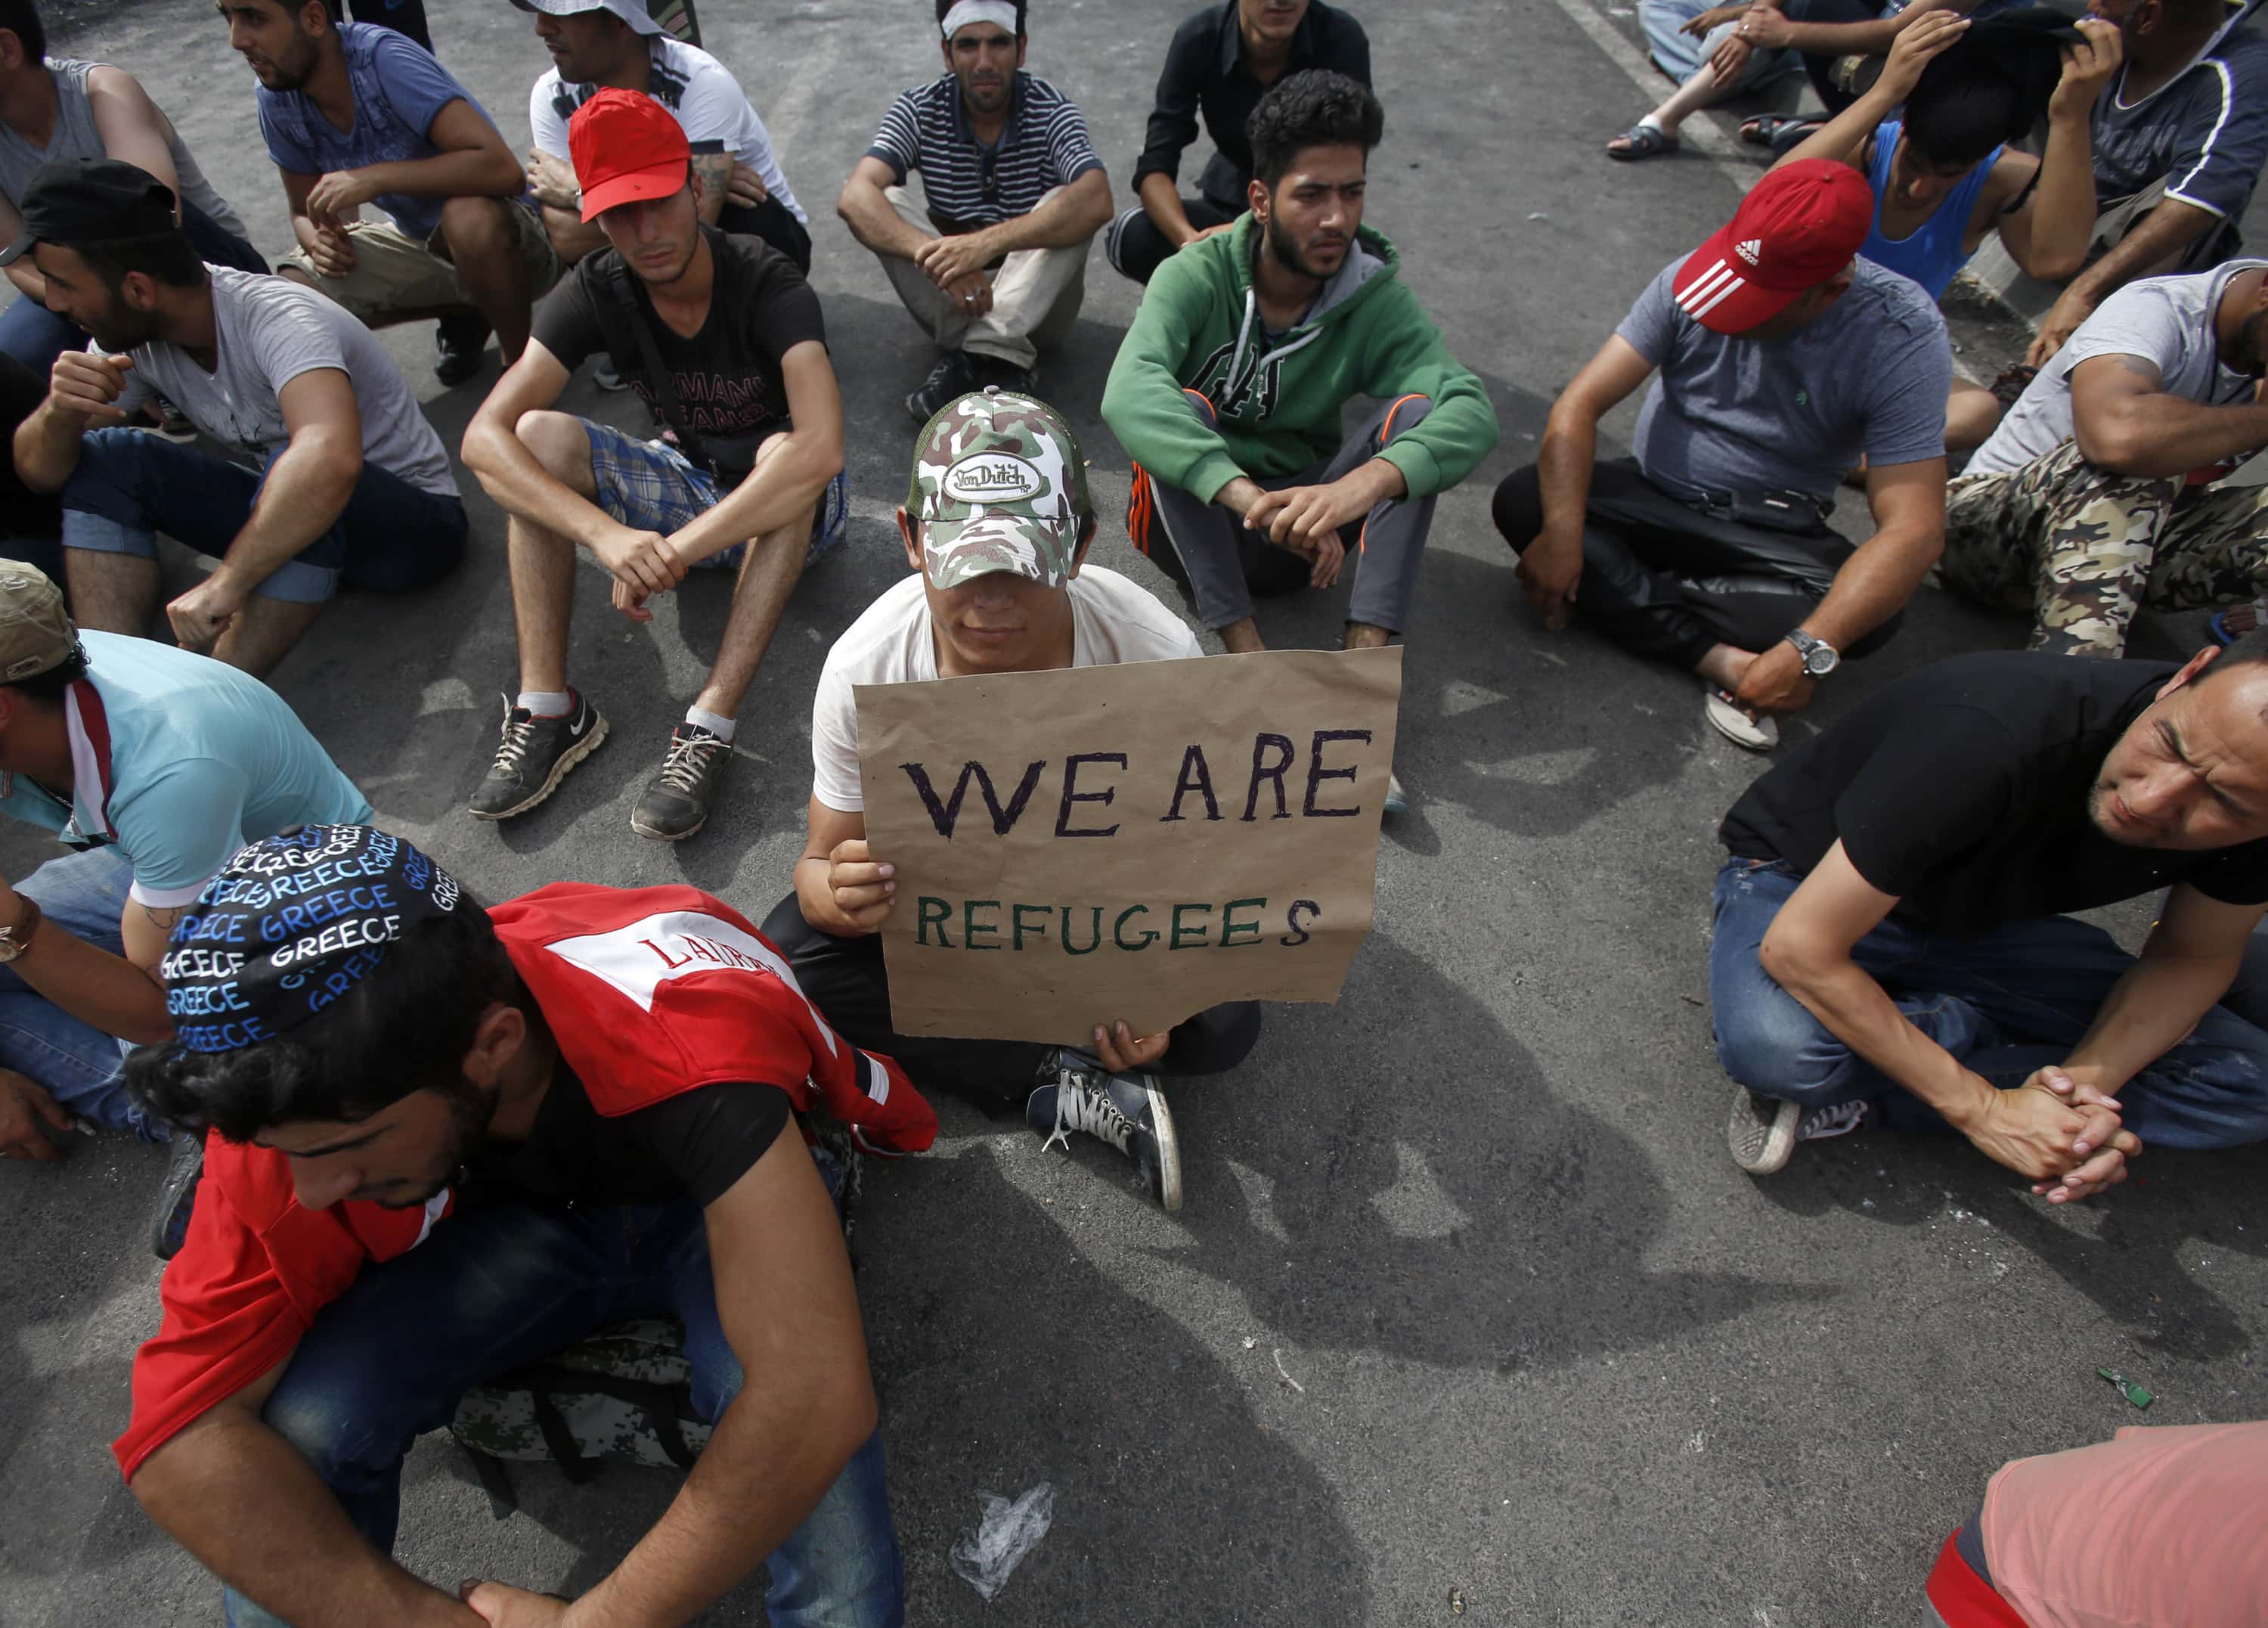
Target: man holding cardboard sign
pixel 996 528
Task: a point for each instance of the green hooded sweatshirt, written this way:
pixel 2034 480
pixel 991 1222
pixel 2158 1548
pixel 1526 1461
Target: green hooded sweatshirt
pixel 1277 399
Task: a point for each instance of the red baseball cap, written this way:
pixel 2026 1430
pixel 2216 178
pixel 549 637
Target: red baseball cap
pixel 1798 226
pixel 627 148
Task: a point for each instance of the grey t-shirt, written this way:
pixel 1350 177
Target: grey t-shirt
pixel 75 136
pixel 2167 321
pixel 1731 414
pixel 269 331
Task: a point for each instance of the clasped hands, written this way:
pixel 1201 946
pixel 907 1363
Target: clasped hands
pixel 2060 1132
pixel 642 564
pixel 956 265
pixel 1306 520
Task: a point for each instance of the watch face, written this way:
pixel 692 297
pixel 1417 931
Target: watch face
pixel 1819 661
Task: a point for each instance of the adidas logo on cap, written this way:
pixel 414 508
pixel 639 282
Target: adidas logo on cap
pixel 1750 250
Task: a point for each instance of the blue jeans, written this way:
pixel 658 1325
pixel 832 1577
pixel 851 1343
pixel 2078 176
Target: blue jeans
pixel 83 893
pixel 391 538
pixel 494 1288
pixel 2005 1004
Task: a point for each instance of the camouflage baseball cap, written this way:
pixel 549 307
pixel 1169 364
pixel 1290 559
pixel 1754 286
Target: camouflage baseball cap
pixel 999 485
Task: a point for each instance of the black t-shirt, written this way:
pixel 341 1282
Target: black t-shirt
pixel 727 378
pixel 1963 789
pixel 696 1144
pixel 23 511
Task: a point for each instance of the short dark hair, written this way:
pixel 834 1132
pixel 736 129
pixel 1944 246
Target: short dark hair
pixel 47 688
pixel 944 6
pixel 21 18
pixel 168 256
pixel 1312 108
pixel 1967 103
pixel 2244 651
pixel 405 1027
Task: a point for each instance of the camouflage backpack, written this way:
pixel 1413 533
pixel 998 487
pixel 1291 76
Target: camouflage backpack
pixel 625 1392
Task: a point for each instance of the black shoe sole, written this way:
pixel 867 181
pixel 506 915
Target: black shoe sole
pixel 566 761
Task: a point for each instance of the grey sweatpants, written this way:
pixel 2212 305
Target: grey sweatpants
pixel 1223 565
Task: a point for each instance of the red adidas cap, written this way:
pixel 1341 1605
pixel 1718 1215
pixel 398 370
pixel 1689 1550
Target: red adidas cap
pixel 626 147
pixel 1800 225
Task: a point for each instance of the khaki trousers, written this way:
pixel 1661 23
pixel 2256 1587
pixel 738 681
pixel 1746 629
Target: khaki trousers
pixel 1036 294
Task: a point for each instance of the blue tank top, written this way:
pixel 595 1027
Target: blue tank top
pixel 1932 252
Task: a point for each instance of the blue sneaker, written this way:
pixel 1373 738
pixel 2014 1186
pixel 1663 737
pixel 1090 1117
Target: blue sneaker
pixel 832 518
pixel 1126 1110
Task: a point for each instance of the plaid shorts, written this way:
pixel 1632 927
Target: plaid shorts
pixel 651 486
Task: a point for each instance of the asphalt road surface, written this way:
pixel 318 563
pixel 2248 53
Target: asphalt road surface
pixel 1467 1303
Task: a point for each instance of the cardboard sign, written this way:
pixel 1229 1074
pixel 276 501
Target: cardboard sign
pixel 1138 842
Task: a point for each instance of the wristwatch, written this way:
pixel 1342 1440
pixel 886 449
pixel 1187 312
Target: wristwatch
pixel 1820 658
pixel 14 940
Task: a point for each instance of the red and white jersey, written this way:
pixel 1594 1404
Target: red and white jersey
pixel 649 993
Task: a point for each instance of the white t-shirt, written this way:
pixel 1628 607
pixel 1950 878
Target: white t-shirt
pixel 2167 321
pixel 699 90
pixel 266 332
pixel 1112 621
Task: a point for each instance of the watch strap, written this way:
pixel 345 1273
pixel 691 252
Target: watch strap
pixel 17 937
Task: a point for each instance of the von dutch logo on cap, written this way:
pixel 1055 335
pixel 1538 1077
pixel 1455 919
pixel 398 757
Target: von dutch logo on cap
pixel 993 477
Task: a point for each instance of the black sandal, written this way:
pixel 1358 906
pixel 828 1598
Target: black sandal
pixel 1645 142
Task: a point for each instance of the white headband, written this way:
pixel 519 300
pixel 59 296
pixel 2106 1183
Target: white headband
pixel 997 12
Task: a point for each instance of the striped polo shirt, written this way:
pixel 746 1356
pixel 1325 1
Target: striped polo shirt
pixel 1044 146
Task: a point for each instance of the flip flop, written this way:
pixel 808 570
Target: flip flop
pixel 1645 142
pixel 1769 130
pixel 2219 624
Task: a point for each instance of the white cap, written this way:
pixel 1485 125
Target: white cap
pixel 631 12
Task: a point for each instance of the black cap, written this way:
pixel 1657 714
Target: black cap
pixel 90 201
pixel 294 922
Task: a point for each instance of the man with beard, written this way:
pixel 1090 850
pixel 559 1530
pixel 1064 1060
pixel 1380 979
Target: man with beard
pixel 1895 941
pixel 443 1142
pixel 1228 388
pixel 1222 61
pixel 995 266
pixel 2094 497
pixel 597 45
pixel 348 485
pixel 356 113
pixel 720 335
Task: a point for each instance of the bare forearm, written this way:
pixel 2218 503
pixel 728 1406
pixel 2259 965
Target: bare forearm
pixel 103 990
pixel 28 282
pixel 1564 462
pixel 774 1455
pixel 251 1509
pixel 48 445
pixel 1874 583
pixel 520 485
pixel 875 223
pixel 468 173
pixel 1870 39
pixel 2164 232
pixel 2062 207
pixel 1161 202
pixel 1857 1012
pixel 1065 221
pixel 2149 1012
pixel 2157 435
pixel 306 490
pixel 783 489
pixel 572 236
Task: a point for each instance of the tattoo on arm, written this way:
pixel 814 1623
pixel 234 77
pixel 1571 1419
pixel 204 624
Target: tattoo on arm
pixel 164 919
pixel 715 169
pixel 2142 368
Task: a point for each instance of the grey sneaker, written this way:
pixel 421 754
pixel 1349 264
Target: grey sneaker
pixel 1762 1131
pixel 534 756
pixel 1126 1110
pixel 676 801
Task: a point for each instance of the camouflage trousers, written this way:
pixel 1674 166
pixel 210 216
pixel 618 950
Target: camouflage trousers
pixel 2082 548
